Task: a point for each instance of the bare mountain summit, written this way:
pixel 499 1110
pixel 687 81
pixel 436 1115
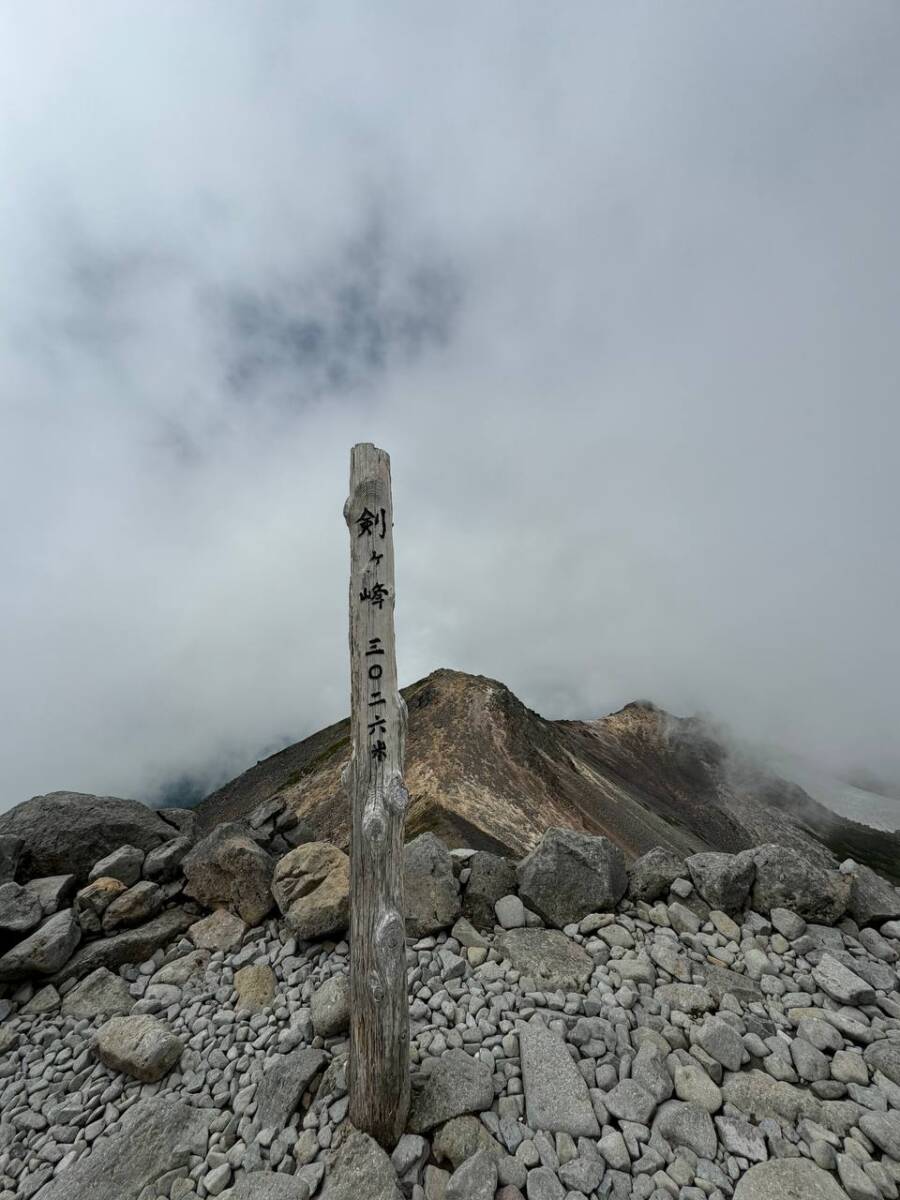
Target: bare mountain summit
pixel 486 772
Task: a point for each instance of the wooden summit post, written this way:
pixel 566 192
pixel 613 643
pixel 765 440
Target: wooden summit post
pixel 379 1009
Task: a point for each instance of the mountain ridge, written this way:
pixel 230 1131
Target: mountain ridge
pixel 485 771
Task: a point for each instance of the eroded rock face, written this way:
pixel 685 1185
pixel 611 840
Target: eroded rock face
pixel 68 832
pixel 228 869
pixel 311 886
pixel 785 879
pixel 431 890
pixel 45 950
pixel 569 875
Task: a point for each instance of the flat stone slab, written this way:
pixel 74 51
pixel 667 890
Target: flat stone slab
pixel 556 1095
pixel 154 1138
pixel 720 981
pixel 139 1045
pixel 548 956
pixel 129 946
pixel 458 1084
pixel 282 1086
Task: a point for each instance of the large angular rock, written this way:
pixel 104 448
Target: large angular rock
pixel 475 1179
pixel 228 869
pixel 788 1179
pixel 786 879
pixel 92 902
pixel 431 890
pixel 123 864
pixel 687 1125
pixel 884 1056
pixel 359 1167
pixel 44 951
pixel 840 983
pixel 458 1084
pixel 556 1095
pixel 138 1045
pixel 67 832
pixel 286 1078
pixel 311 886
pixel 10 853
pixel 872 898
pixel 155 1137
pixel 330 1006
pixel 163 864
pixel 461 1138
pixel 100 994
pixel 134 906
pixel 53 892
pixel 722 880
pixel 129 946
pixel 20 911
pixel 255 986
pixel 571 874
pixel 551 959
pixel 183 820
pixel 221 930
pixel 491 878
pixel 883 1128
pixel 651 875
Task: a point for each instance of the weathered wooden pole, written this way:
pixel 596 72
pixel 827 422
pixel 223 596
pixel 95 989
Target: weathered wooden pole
pixel 379 1009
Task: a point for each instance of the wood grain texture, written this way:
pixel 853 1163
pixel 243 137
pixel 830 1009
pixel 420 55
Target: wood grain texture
pixel 379 1009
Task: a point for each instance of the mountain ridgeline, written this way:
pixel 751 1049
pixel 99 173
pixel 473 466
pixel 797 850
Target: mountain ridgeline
pixel 484 771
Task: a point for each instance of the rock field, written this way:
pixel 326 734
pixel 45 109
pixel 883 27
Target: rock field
pixel 173 1024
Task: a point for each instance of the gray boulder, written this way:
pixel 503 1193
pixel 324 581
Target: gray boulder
pixel 100 994
pixel 491 878
pixel 786 879
pixel 53 892
pixel 138 1045
pixel 229 869
pixel 651 875
pixel 330 1006
pixel 788 1179
pixel 722 880
pixel 359 1167
pixel 883 1128
pixel 884 1056
pixel 431 891
pixel 311 886
pixel 154 1138
pixel 92 901
pixel 546 955
pixel 10 853
pixel 475 1179
pixel 221 930
pixel 134 906
pixel 68 832
pixel 123 864
pixel 571 874
pixel 44 951
pixel 872 898
pixel 163 864
pixel 20 911
pixel 458 1084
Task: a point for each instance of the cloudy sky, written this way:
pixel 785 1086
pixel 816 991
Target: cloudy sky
pixel 616 284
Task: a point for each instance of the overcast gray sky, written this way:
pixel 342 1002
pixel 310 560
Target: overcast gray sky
pixel 616 284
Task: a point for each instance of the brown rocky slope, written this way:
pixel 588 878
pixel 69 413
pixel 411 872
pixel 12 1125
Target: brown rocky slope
pixel 483 771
